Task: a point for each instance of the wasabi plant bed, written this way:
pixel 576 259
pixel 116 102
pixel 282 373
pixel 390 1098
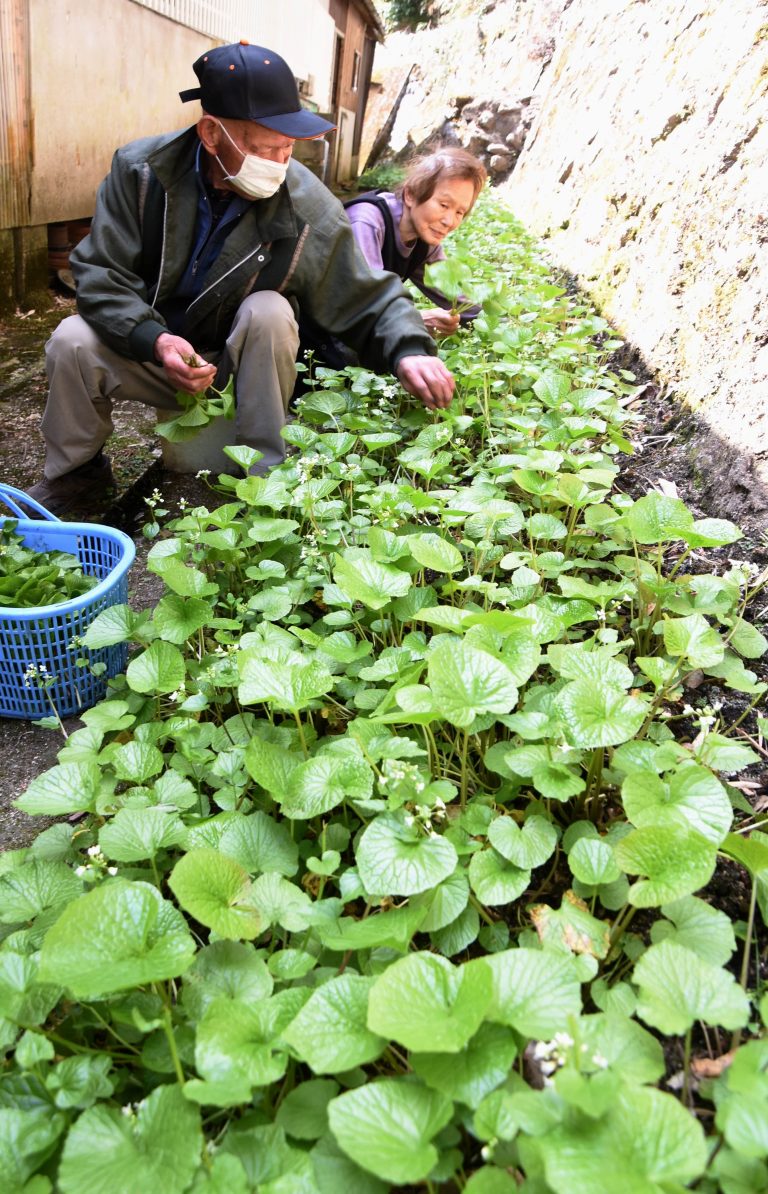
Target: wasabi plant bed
pixel 396 837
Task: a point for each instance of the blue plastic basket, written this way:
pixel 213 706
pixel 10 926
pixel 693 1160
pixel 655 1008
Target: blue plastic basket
pixel 41 637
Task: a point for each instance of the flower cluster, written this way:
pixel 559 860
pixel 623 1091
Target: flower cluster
pixel 97 868
pixel 38 674
pixel 552 1055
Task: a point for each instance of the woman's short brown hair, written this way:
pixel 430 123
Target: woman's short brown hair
pixel 448 162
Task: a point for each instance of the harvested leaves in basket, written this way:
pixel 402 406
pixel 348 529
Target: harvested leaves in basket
pixel 31 579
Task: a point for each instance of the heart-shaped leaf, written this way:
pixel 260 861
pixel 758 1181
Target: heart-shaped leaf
pixel 698 926
pixel 288 681
pixel 467 682
pixel 387 1128
pixel 260 843
pixel 68 788
pixel 362 578
pixel 119 935
pixel 394 858
pixel 592 861
pixel 28 890
pixel 676 861
pixel 331 1032
pixel 647 1141
pixel 218 892
pixel 495 880
pixel 156 1148
pixel 528 846
pixel 432 551
pixel 135 834
pixel 677 987
pixel 427 1004
pixel 689 795
pixel 533 991
pixel 472 1073
pixel 157 670
pixel 322 783
pixel 599 716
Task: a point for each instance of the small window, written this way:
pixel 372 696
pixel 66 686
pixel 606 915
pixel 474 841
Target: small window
pixel 355 70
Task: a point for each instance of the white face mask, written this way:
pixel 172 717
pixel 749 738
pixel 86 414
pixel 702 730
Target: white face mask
pixel 258 178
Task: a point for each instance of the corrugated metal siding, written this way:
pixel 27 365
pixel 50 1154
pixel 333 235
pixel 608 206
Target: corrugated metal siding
pixel 299 30
pixel 15 114
pixel 225 20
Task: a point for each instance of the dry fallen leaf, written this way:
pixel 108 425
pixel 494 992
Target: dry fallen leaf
pixel 711 1067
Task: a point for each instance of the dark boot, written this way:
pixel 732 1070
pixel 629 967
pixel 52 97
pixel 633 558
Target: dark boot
pixel 87 485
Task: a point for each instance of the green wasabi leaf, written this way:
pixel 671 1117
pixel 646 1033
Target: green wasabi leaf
pixel 260 843
pixel 38 885
pixel 699 927
pixel 647 1138
pixel 677 862
pixel 467 1076
pixel 395 858
pixel 27 1138
pixel 331 1033
pixel 68 788
pixel 387 1127
pixel 527 846
pixel 467 682
pixel 495 880
pixel 432 551
pixel 135 834
pixel 677 987
pixel 159 669
pixel 225 970
pixel 427 1004
pixel 533 991
pixel 119 935
pixel 157 1147
pixel 599 716
pixel 288 681
pixel 218 892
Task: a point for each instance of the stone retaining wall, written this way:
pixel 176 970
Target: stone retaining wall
pixel 641 156
pixel 647 171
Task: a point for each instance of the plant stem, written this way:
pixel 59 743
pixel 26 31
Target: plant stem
pixel 687 1069
pixel 619 926
pixel 300 728
pixel 744 975
pixel 168 1030
pixel 464 776
pixel 481 910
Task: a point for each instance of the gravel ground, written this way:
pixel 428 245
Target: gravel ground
pixel 26 749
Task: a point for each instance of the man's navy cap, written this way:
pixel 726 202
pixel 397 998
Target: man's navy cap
pixel 245 82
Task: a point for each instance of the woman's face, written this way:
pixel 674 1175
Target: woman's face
pixel 434 218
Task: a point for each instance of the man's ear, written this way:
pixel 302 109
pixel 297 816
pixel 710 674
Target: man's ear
pixel 209 132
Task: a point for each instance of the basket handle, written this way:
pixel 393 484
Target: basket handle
pixel 16 498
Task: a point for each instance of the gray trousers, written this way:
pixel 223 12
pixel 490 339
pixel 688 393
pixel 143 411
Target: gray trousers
pixel 85 376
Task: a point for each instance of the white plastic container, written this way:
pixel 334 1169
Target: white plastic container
pixel 204 451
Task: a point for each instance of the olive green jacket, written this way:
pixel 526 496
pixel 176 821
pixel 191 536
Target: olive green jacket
pixel 298 243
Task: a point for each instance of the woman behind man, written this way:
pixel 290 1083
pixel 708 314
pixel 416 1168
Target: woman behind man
pixel 438 193
pixel 403 231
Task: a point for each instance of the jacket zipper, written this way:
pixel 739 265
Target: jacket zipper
pixel 223 276
pixel 162 250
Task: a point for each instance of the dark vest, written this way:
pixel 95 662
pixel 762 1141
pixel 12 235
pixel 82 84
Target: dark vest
pixel 392 260
pixel 325 348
